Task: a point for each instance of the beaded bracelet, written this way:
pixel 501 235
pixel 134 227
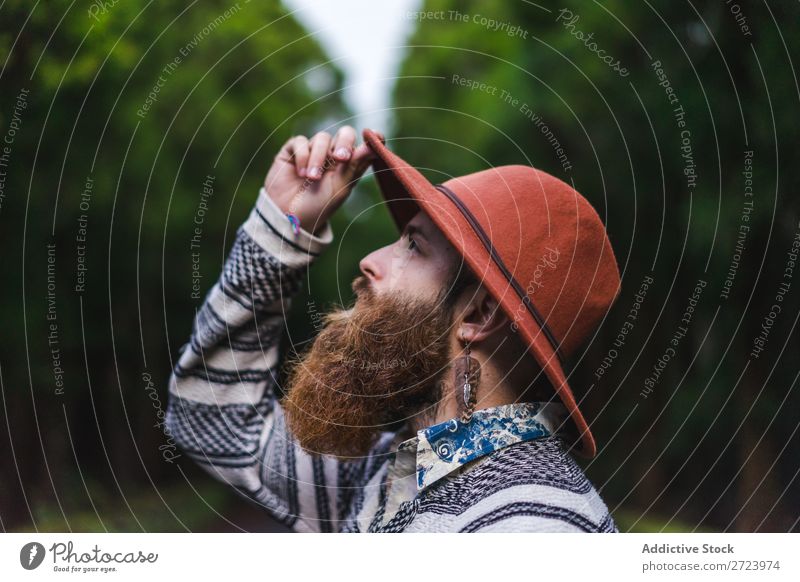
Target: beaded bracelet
pixel 294 221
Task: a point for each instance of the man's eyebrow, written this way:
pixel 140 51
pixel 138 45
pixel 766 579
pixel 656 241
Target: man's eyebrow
pixel 411 229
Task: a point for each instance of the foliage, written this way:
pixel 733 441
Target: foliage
pixel 247 77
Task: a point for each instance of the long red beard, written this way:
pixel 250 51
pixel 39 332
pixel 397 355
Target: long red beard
pixel 368 371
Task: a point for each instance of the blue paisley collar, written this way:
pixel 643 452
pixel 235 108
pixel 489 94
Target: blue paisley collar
pixel 442 448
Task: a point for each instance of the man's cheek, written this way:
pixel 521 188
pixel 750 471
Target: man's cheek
pixel 399 272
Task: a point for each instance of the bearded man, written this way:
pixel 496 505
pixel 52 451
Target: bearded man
pixel 438 401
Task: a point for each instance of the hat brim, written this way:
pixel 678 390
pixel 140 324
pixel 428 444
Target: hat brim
pixel 407 191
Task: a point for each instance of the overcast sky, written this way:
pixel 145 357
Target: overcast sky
pixel 367 37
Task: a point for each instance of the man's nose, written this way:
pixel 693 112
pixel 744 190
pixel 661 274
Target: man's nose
pixel 369 267
pixel 384 267
pixel 378 266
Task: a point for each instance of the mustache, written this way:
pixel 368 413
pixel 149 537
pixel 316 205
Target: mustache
pixel 362 288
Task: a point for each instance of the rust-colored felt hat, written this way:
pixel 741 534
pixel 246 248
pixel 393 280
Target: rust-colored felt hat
pixel 535 244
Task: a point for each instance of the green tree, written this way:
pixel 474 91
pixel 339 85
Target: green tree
pixel 133 122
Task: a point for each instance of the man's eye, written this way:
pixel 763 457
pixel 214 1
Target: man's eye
pixel 408 244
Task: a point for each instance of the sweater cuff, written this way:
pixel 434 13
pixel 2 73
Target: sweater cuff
pixel 268 226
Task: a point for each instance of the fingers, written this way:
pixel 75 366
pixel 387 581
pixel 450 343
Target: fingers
pixel 320 145
pixel 299 152
pixel 295 152
pixel 311 157
pixel 339 148
pixel 343 144
pixel 363 155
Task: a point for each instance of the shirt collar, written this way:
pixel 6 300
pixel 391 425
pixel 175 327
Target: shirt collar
pixel 442 448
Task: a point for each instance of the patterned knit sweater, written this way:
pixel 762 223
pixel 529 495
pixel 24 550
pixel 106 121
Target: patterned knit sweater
pixel 506 471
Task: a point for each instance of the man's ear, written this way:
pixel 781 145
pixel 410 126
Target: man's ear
pixel 482 317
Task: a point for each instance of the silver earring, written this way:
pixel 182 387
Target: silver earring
pixel 468 373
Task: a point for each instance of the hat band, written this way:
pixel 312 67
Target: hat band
pixel 487 243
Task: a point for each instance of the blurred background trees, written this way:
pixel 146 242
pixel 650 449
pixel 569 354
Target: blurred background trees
pixel 96 96
pixel 246 78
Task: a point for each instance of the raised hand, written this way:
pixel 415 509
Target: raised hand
pixel 311 178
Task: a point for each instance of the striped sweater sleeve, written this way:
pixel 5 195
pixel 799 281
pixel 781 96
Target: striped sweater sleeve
pixel 223 410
